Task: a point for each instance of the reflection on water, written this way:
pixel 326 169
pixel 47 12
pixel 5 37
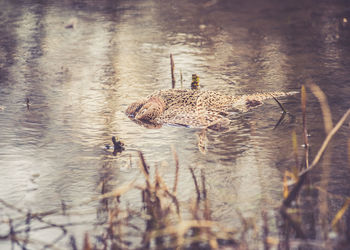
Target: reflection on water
pixel 80 80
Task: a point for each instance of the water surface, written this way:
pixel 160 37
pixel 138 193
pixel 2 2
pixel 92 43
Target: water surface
pixel 80 64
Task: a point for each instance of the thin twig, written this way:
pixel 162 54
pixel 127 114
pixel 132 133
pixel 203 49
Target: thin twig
pixel 279 104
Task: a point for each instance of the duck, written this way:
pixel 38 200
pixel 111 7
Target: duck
pixel 193 107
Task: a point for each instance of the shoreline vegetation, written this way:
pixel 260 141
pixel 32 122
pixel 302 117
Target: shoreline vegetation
pixel 163 222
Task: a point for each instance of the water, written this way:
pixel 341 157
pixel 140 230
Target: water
pixel 81 64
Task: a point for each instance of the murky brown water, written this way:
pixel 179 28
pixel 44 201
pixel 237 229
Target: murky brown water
pixel 80 80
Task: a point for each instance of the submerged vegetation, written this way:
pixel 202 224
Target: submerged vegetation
pixel 162 221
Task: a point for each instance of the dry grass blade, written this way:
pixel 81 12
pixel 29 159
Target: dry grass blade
pixel 340 213
pixel 327 116
pixel 118 191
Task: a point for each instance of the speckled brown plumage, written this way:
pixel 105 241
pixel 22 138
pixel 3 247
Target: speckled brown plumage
pixel 193 108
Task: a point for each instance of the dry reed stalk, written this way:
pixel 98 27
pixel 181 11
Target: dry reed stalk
pixel 150 201
pixel 207 214
pixel 144 169
pixel 302 174
pixel 176 203
pixel 326 163
pixel 87 244
pixel 265 230
pixel 196 185
pixel 349 151
pixel 181 80
pixel 144 165
pixel 28 228
pixel 172 65
pixel 195 232
pixel 160 212
pixel 28 103
pixel 326 142
pixel 293 223
pixel 159 202
pixel 305 134
pixel 195 208
pixel 112 214
pixel 285 185
pixel 176 158
pixel 73 243
pixel 295 169
pixel 340 213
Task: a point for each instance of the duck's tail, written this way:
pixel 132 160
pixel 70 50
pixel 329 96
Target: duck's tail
pixel 246 102
pixel 267 95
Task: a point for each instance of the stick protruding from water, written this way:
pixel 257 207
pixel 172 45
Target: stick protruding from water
pixel 172 65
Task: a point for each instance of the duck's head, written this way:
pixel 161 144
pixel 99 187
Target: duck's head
pixel 147 110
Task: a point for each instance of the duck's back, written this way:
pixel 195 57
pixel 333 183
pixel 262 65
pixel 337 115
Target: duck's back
pixel 178 98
